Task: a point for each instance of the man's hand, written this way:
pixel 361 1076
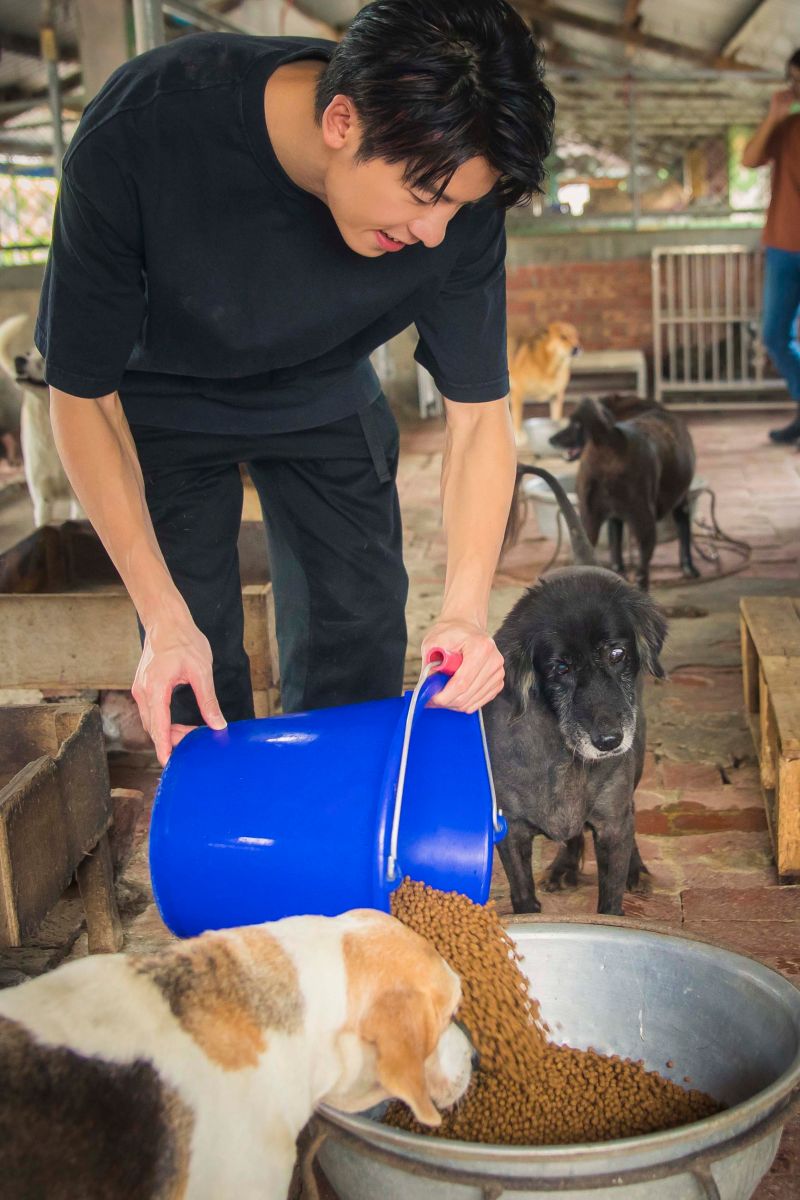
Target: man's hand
pixel 479 678
pixel 174 654
pixel 781 103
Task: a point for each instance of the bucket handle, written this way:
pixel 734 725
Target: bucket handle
pixel 439 662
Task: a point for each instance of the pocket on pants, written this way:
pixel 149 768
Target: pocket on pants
pixel 381 435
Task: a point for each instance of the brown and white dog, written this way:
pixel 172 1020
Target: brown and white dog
pixel 539 368
pixel 50 491
pixel 190 1072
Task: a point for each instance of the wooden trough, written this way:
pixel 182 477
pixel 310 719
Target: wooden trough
pixel 55 812
pixel 66 620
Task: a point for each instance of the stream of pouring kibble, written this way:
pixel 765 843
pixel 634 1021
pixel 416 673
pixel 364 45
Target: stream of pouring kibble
pixel 528 1091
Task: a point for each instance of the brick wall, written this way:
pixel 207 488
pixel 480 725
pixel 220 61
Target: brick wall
pixel 609 302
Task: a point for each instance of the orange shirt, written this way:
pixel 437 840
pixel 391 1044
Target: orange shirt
pixel 782 229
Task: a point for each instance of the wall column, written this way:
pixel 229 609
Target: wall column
pixel 103 36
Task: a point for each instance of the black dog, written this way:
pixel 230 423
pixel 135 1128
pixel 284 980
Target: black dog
pixel 637 464
pixel 567 733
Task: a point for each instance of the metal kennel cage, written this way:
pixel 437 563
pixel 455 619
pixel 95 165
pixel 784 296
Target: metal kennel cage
pixel 707 322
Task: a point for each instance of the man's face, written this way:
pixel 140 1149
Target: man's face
pixel 376 213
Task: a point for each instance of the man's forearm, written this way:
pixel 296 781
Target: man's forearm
pixel 755 152
pixel 477 484
pixel 99 456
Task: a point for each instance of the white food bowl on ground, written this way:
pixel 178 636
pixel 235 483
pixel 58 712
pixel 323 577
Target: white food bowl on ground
pixel 548 514
pixel 538 431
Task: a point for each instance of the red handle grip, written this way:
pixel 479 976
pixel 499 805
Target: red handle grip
pixel 447 661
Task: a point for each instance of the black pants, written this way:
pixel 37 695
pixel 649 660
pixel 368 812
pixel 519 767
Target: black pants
pixel 334 542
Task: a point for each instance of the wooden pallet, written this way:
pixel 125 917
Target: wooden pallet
pixel 770 628
pixel 55 812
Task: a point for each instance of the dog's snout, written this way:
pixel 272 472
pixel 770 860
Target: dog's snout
pixel 20 363
pixel 475 1058
pixel 607 741
pixel 459 1025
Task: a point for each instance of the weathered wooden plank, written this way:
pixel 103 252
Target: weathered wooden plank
pixel 774 625
pixel 749 669
pixel 92 641
pixel 35 861
pixel 53 811
pixel 782 681
pixel 770 637
pixel 788 816
pixel 96 885
pixel 27 733
pixel 77 640
pixel 83 777
pixel 87 637
pixel 768 752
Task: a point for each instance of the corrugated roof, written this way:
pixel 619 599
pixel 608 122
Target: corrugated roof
pixel 600 52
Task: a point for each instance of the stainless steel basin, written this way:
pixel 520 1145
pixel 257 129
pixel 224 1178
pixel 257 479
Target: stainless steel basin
pixel 726 1021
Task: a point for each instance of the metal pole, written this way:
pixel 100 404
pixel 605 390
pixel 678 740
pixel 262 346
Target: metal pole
pixel 634 157
pixel 198 16
pixel 148 24
pixel 47 41
pixel 655 77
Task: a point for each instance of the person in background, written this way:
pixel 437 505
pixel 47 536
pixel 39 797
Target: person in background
pixel 777 140
pixel 241 221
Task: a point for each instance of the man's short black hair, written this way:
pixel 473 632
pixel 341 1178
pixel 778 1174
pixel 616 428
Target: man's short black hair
pixel 438 83
pixel 794 61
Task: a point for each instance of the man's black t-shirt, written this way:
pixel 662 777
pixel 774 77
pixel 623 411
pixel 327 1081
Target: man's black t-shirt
pixel 188 272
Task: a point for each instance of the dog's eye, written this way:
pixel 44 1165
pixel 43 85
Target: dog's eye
pixel 560 668
pixel 616 655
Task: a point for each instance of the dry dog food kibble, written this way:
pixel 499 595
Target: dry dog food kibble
pixel 527 1091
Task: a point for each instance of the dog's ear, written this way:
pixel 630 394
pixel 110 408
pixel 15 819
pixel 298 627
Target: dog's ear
pixel 650 629
pixel 520 675
pixel 401 1027
pixel 598 422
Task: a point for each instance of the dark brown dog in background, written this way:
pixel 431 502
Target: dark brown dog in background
pixel 636 466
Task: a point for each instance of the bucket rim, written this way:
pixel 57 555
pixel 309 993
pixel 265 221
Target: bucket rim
pixel 382 886
pixel 649 1148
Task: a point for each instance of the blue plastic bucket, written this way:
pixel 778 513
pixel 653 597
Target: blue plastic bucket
pixel 293 814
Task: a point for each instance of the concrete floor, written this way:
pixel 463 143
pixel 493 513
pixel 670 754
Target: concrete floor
pixel 700 819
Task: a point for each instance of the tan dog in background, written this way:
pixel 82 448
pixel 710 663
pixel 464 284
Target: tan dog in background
pixel 187 1074
pixel 539 367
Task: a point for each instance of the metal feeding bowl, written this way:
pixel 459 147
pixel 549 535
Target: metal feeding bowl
pixel 548 516
pixel 538 431
pixel 729 1023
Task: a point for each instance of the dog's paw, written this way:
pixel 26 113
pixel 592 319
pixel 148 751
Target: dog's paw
pixel 525 907
pixel 560 880
pixel 639 882
pixel 690 571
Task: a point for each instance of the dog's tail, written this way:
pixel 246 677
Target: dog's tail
pixel 582 550
pixel 9 331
